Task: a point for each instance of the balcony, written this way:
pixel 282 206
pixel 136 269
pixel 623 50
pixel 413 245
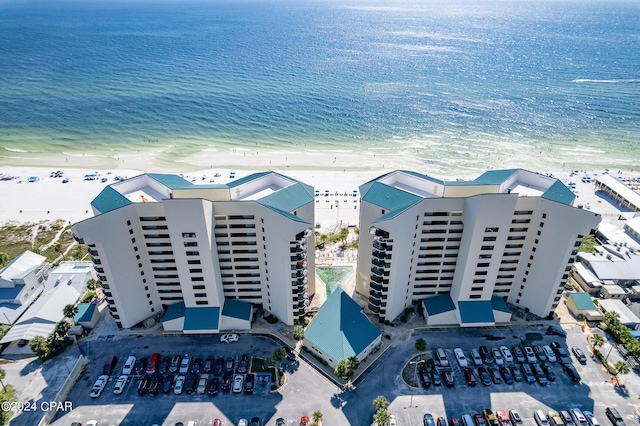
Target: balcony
pixel 375 293
pixel 377 271
pixel 93 252
pixel 375 286
pixel 374 308
pixel 301 273
pixel 378 254
pixel 301 256
pixel 378 263
pixel 376 279
pixel 374 301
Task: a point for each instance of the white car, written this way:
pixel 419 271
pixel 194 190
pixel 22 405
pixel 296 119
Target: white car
pixel 497 356
pixel 531 356
pixel 229 338
pixel 91 423
pixel 238 381
pixel 549 352
pixel 392 420
pixel 506 354
pixel 98 386
pixel 591 418
pixel 128 365
pixel 243 422
pixel 120 384
pixel 475 356
pixel 462 360
pixel 178 386
pixel 184 365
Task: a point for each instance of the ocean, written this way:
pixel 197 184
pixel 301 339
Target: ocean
pixel 444 87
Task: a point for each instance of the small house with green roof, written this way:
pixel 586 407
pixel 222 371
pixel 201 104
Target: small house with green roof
pixel 581 306
pixel 341 330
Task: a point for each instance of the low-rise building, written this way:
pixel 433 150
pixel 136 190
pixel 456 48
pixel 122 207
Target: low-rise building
pixel 613 291
pixel 581 306
pixel 626 315
pixel 20 284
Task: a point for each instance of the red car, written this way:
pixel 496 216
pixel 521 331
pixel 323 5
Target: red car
pixel 153 363
pixel 217 422
pixel 304 421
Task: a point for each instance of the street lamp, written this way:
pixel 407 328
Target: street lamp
pixel 415 376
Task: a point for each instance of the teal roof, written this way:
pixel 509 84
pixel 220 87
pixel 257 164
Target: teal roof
pixel 498 304
pixel 476 311
pixel 10 293
pixel 494 177
pixel 174 311
pixel 201 318
pixel 422 176
pixel 340 329
pixel 171 181
pixel 389 198
pixel 290 198
pixel 85 312
pixel 109 199
pixel 249 178
pixel 439 304
pixel 559 192
pixel 583 301
pixel 237 309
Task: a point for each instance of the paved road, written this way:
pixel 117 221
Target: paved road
pixel 307 391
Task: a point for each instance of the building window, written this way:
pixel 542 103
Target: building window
pixel 133 240
pixel 130 231
pixel 544 215
pixel 188 235
pixel 128 223
pixel 191 244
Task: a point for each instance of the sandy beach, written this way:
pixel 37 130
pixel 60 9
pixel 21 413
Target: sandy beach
pixel 47 198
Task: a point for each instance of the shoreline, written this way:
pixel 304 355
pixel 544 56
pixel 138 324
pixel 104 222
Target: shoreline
pixel 49 199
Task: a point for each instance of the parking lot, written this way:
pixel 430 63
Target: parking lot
pixel 307 391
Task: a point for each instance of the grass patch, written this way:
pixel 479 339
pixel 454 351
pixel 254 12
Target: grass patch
pixel 258 365
pixel 18 237
pixel 88 297
pixel 8 395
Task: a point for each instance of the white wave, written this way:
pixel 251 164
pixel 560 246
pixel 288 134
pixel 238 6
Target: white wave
pixel 15 150
pixel 588 80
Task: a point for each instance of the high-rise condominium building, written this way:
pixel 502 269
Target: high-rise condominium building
pixel 464 249
pixel 206 253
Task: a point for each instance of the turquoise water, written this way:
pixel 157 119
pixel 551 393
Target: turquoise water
pixel 458 85
pixel 334 276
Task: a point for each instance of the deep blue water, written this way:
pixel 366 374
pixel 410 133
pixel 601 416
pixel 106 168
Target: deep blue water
pixel 443 79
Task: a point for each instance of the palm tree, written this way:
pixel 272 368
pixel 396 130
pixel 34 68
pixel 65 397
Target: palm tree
pixel 3 374
pixel 70 311
pixel 610 317
pixel 597 341
pixel 353 362
pixel 92 284
pixel 620 367
pixel 380 403
pixel 278 354
pixel 38 345
pixel 316 416
pixel 382 418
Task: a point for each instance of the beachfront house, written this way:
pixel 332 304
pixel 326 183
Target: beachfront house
pixel 505 239
pixel 201 257
pixel 20 284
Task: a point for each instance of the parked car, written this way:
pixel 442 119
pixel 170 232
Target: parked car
pixel 184 364
pixel 153 363
pixel 128 365
pixel 175 363
pixel 506 354
pixel 425 378
pixel 497 356
pixel 441 421
pixel 578 418
pixel 530 355
pixel 540 354
pixel 470 377
pixel 554 418
pixel 249 383
pixel 479 420
pixel 98 386
pixel 614 417
pixel 539 373
pixel 580 356
pixel 156 384
pixel 191 383
pixel 490 417
pixel 566 418
pixel 486 355
pixel 238 381
pixel 591 419
pixel 163 368
pixel 462 360
pixel 441 356
pixel 225 384
pixel 109 364
pixel 548 371
pixel 143 386
pixel 527 372
pixel 572 372
pixel 208 365
pixel 561 353
pixel 515 417
pixel 196 366
pixel 495 375
pixel 428 420
pixel 141 366
pixel 485 377
pixel 243 364
pixel 503 417
pixel 540 418
pixel 448 378
pixel 178 386
pixel 167 383
pixel 435 377
pixel 515 372
pixel 202 384
pixel 506 375
pixel 213 386
pixel 255 421
pixel 229 364
pixel 518 353
pixel 551 357
pixel 218 367
pixel 229 338
pixel 556 330
pixel 476 357
pixel 454 421
pixel 120 384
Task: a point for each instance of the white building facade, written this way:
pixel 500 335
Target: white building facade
pixel 466 248
pixel 157 240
